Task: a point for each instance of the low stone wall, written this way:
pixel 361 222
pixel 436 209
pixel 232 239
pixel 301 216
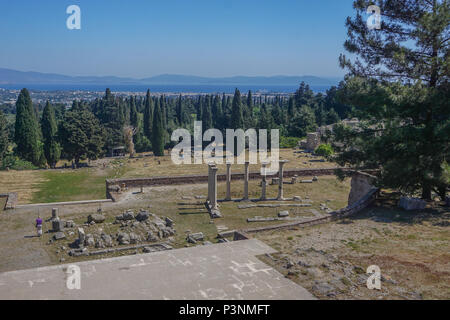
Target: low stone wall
pixel 11 200
pixel 350 210
pixel 361 184
pixel 113 185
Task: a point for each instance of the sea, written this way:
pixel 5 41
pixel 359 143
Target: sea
pixel 167 88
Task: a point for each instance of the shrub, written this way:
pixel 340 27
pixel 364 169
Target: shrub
pixel 12 162
pixel 324 150
pixel 288 142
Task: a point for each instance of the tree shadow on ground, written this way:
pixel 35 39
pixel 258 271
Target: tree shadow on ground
pixel 386 212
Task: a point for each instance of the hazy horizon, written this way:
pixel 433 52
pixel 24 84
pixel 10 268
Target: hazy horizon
pixel 149 38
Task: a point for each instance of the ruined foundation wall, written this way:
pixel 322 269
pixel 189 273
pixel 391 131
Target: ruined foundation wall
pixel 361 184
pixel 112 185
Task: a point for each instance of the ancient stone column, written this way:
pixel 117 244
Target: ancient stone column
pixel 54 213
pixel 228 197
pixel 81 237
pixel 263 182
pixel 214 205
pixel 209 183
pixel 246 181
pixel 280 182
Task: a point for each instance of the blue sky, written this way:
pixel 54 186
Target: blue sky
pixel 140 38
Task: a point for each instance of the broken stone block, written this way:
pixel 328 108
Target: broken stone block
pixel 142 216
pixel 90 241
pixel 128 215
pixel 57 225
pixel 151 237
pixel 215 214
pixel 283 214
pixel 107 240
pixel 297 198
pixel 315 179
pixel 134 238
pixel 147 250
pixel 59 236
pixel 306 181
pixel 96 217
pixel 169 222
pixel 275 181
pixel 412 204
pixel 70 224
pixel 194 237
pixel 123 238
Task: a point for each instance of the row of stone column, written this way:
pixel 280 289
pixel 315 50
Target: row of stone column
pixel 212 183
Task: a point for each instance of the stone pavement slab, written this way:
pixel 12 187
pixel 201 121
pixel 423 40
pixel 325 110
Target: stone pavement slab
pixel 220 271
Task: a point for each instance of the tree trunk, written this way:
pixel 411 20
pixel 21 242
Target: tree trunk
pixel 442 192
pixel 426 192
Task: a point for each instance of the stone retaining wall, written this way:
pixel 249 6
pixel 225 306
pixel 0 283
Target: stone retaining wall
pixel 352 209
pixel 113 184
pixel 11 200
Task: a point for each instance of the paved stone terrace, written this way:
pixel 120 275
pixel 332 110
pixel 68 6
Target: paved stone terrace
pixel 220 271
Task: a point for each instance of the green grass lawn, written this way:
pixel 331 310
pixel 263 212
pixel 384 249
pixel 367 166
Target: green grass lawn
pixel 61 185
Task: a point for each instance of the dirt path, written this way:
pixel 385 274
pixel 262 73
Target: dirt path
pixel 19 248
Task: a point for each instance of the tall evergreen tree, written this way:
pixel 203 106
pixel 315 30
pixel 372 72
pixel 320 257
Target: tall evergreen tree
pixel 217 113
pixel 207 122
pixel 291 108
pixel 179 110
pixel 158 131
pixel 81 135
pixel 237 121
pixel 26 129
pixel 148 116
pixel 52 149
pixel 4 141
pixel 399 84
pixel 134 118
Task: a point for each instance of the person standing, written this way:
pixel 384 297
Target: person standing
pixel 39 226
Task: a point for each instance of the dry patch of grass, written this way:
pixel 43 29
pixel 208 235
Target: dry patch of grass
pixel 25 183
pixel 411 250
pixel 163 166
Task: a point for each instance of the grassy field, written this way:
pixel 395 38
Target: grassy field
pixel 62 185
pixel 42 186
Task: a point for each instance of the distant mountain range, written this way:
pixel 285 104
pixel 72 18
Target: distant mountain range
pixel 14 77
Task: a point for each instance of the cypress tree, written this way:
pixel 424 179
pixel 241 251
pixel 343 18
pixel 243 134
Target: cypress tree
pixel 26 129
pixel 199 108
pixel 158 131
pixel 179 110
pixel 148 116
pixel 206 114
pixel 217 113
pixel 52 150
pixel 4 141
pixel 237 121
pixel 291 108
pixel 134 119
pixel 163 107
